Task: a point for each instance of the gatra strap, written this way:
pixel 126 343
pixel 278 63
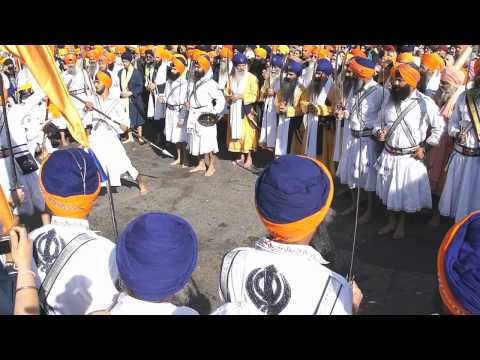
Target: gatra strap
pixel 471 96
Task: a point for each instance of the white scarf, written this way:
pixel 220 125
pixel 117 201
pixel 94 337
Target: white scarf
pixel 125 78
pixel 238 88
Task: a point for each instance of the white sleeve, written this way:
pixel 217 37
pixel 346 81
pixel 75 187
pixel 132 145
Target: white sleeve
pixel 217 94
pixel 436 123
pixel 454 122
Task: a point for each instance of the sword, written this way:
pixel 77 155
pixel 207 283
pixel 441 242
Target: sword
pixel 112 207
pixel 134 132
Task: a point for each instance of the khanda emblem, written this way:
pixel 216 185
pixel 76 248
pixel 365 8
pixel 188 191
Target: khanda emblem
pixel 48 246
pixel 268 290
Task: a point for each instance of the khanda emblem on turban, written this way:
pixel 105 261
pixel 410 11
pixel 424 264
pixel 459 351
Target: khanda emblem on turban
pixel 268 290
pixel 48 247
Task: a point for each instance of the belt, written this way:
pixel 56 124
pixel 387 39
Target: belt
pixel 466 150
pixel 361 133
pixel 4 153
pixel 174 107
pixel 398 151
pixel 326 120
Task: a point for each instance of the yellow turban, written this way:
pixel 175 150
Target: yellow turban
pixel 283 49
pixel 261 52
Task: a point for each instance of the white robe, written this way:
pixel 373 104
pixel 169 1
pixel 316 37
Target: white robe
pixel 268 133
pixel 87 281
pixel 460 195
pixel 105 142
pixel 201 139
pixel 80 81
pixel 300 284
pixel 237 88
pixel 176 94
pixel 356 167
pixel 281 142
pixel 312 121
pixel 402 180
pixel 127 305
pixel 161 78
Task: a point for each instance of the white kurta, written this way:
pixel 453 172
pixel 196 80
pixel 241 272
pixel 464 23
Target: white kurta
pixel 356 167
pixel 87 281
pixel 281 279
pixel 201 139
pixel 312 121
pixel 105 142
pixel 268 133
pixel 341 135
pixel 281 142
pixel 433 84
pixel 29 182
pixel 127 305
pixel 402 180
pixel 460 194
pixel 236 121
pixel 161 78
pixel 176 95
pixel 80 81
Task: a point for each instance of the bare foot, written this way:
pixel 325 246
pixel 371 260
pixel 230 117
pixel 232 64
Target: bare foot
pixel 143 190
pixel 176 162
pixel 386 229
pixel 348 211
pixel 129 140
pixel 210 171
pixel 198 168
pixel 248 164
pixel 399 233
pixel 434 221
pixel 365 218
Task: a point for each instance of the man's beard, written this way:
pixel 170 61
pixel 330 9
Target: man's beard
pixel 257 67
pixel 441 96
pixel 357 84
pixel 348 84
pixel 100 92
pixel 422 84
pixel 72 70
pixel 317 86
pixel 240 75
pixel 287 88
pixel 198 75
pixel 171 76
pixel 400 93
pixel 91 69
pixel 224 67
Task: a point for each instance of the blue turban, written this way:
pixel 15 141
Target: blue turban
pixel 293 196
pixel 462 264
pixel 239 58
pixel 324 66
pixel 127 55
pixel 268 49
pixel 277 60
pixel 295 67
pixel 156 255
pixel 62 173
pixel 252 46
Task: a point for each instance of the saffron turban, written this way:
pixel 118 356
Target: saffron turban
pixel 453 76
pixel 405 57
pixel 293 196
pixel 70 183
pixel 362 67
pixel 109 58
pixel 104 78
pixel 180 63
pixel 203 62
pixel 226 53
pixel 433 62
pixel 323 53
pixel 156 255
pixel 408 73
pixel 93 55
pixel 458 266
pixel 120 49
pixel 358 53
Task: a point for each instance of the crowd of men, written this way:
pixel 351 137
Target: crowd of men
pixel 397 121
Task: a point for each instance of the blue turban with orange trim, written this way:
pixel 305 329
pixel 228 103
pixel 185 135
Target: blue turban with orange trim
pixel 362 67
pixel 293 196
pixel 324 66
pixel 239 58
pixel 295 67
pixel 70 183
pixel 156 255
pixel 458 266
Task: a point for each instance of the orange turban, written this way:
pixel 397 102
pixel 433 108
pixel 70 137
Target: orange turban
pixel 433 62
pixel 212 54
pixel 362 67
pixel 70 59
pixel 93 55
pixel 323 53
pixel 226 52
pixel 476 68
pixel 190 53
pixel 178 63
pixel 405 58
pixel 408 73
pixel 203 62
pixel 140 50
pixel 261 52
pixel 228 47
pixel 104 79
pixel 110 58
pixel 309 48
pixel 120 49
pixel 358 52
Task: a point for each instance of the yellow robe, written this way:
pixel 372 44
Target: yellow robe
pixel 249 139
pixel 328 133
pixel 294 111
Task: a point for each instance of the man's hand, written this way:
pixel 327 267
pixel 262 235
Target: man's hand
pixel 180 123
pixel 18 196
pixel 234 98
pixel 151 86
pixel 420 153
pixel 88 106
pixel 161 99
pixel 283 108
pixel 357 297
pixel 21 247
pixel 381 134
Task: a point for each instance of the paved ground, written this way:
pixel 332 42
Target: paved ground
pixel 397 277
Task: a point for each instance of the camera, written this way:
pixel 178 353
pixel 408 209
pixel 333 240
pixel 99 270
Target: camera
pixel 5 247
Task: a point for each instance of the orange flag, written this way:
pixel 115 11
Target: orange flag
pixel 6 216
pixel 41 63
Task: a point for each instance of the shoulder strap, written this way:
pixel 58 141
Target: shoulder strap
pixel 361 98
pixel 227 262
pixel 60 262
pixel 473 111
pixel 400 117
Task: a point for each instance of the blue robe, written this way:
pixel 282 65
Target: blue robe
pixel 136 106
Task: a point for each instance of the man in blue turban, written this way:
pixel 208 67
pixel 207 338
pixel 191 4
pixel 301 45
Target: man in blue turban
pixel 156 255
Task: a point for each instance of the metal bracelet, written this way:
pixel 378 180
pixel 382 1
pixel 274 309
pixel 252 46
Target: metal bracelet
pixel 26 287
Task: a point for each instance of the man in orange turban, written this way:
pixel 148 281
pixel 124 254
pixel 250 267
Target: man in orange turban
pixel 402 181
pixel 430 71
pixel 207 98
